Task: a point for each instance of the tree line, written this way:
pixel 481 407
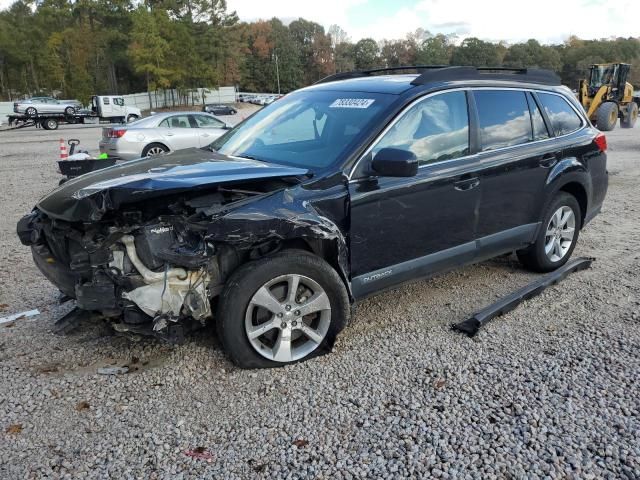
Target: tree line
pixel 83 47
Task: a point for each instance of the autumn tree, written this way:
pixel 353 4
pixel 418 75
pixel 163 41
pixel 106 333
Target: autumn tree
pixel 476 52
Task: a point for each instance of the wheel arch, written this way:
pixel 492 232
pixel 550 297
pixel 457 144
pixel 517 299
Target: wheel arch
pixel 275 223
pixel 578 191
pixel 148 145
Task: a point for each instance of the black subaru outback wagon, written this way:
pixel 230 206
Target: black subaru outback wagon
pixel 337 191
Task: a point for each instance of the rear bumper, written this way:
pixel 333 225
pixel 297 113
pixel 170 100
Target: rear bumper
pixel 119 149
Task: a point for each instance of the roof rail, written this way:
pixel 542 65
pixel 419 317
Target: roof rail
pixel 443 73
pixel 365 73
pixel 529 75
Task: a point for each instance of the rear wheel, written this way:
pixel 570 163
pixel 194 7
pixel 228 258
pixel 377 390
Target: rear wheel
pixel 31 112
pixel 50 124
pixel 632 115
pixel 607 116
pixel 154 149
pixel 281 309
pixel 132 118
pixel 557 237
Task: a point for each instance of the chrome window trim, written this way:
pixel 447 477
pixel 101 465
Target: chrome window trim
pixel 477 154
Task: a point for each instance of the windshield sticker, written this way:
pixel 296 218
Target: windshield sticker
pixel 352 103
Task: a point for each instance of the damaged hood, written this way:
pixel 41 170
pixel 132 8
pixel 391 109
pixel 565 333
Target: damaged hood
pixel 87 197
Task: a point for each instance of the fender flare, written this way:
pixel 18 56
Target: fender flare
pixel 571 176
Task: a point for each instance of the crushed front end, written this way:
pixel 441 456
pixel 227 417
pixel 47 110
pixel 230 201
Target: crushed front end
pixel 146 267
pixel 149 245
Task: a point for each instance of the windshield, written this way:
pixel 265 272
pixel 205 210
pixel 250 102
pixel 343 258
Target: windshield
pixel 310 129
pixel 602 75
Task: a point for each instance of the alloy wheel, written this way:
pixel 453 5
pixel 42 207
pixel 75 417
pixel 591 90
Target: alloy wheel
pixel 288 318
pixel 153 151
pixel 560 233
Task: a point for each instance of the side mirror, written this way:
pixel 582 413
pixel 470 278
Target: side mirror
pixel 394 162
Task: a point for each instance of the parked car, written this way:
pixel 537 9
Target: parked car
pixel 161 133
pixel 333 193
pixel 35 106
pixel 218 109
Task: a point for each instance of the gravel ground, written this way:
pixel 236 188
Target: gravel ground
pixel 548 391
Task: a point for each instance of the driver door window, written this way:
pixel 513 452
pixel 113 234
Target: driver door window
pixel 434 129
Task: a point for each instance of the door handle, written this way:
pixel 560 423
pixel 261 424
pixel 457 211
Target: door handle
pixel 170 134
pixel 548 160
pixel 205 135
pixel 467 184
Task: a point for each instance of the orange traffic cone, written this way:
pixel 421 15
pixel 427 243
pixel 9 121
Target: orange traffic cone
pixel 63 150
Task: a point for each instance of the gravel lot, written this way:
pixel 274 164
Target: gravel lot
pixel 548 391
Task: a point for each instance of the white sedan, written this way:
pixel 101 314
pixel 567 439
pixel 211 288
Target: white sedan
pixel 42 105
pixel 161 133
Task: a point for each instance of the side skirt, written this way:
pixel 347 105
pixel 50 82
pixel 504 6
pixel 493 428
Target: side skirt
pixel 439 262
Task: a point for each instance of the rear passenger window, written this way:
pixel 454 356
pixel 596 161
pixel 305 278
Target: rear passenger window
pixel 540 131
pixel 504 118
pixel 564 119
pixel 434 129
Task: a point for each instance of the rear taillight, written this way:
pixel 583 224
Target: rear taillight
pixel 116 132
pixel 601 142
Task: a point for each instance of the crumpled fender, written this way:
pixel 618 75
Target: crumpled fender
pixel 294 213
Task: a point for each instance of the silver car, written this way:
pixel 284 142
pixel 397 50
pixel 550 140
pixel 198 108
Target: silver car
pixel 160 133
pixel 44 105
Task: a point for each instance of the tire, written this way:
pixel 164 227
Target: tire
pixel 535 257
pixel 50 124
pixel 233 112
pixel 69 111
pixel 154 149
pixel 31 112
pixel 607 116
pixel 632 115
pixel 237 312
pixel 132 118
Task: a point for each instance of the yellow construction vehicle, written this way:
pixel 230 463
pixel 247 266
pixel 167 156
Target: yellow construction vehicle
pixel 607 96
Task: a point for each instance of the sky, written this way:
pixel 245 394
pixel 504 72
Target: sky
pixel 548 21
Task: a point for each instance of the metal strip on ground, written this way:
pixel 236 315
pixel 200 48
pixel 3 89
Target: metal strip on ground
pixel 511 301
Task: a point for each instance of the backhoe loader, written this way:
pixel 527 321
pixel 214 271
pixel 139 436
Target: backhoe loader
pixel 606 96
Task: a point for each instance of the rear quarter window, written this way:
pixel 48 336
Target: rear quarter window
pixel 504 118
pixel 563 117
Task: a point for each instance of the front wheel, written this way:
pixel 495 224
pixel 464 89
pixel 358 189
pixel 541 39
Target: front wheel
pixel 50 124
pixel 281 309
pixel 607 116
pixel 69 111
pixel 557 237
pixel 132 118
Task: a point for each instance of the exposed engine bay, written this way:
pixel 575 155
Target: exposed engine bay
pixel 155 266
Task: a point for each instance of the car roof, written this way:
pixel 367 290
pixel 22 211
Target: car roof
pixel 394 84
pixel 388 80
pixel 171 114
pixel 152 120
